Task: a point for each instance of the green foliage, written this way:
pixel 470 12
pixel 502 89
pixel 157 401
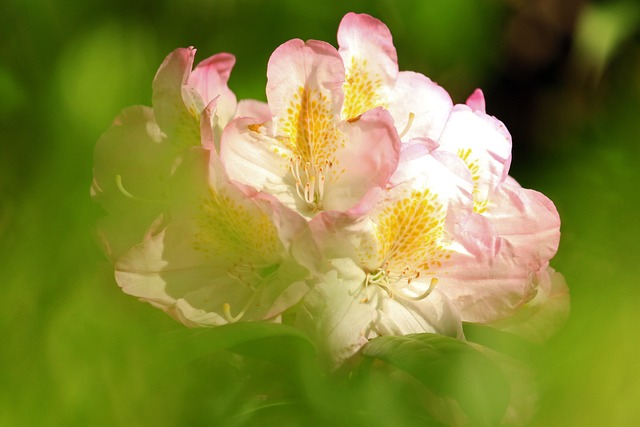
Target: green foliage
pixel 450 368
pixel 270 341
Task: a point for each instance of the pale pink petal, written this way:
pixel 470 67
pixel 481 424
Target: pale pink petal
pixel 476 101
pixel 177 107
pixel 439 173
pixel 210 78
pixel 367 159
pixel 485 146
pixel 261 213
pixel 419 106
pixel 257 109
pixel 484 280
pixel 371 63
pixel 304 83
pixel 254 158
pixel 209 137
pixel 546 313
pixel 529 221
pixel 485 292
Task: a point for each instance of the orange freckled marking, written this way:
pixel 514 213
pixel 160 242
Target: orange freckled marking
pixel 354 119
pixel 361 89
pixel 410 233
pixel 308 133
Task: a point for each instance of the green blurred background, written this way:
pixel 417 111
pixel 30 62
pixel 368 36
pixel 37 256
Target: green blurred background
pixel 563 75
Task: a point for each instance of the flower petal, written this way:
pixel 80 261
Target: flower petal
pixel 251 108
pixel 546 313
pixel 371 63
pixel 210 78
pixel 304 88
pixel 368 157
pixel 176 106
pixel 254 158
pixel 419 106
pixel 434 314
pixel 485 146
pixel 331 314
pixel 221 257
pixel 476 102
pixel 342 314
pixel 132 167
pixel 529 221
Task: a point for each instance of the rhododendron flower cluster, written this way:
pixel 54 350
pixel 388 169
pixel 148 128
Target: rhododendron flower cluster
pixel 358 201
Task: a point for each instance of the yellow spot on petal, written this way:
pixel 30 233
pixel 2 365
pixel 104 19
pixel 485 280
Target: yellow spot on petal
pixel 410 232
pixel 361 89
pixel 479 202
pixel 237 233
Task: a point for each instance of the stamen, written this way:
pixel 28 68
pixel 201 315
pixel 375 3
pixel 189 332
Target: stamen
pixel 310 181
pixel 432 285
pixel 226 309
pixel 312 187
pixel 306 193
pixel 307 168
pixel 294 163
pixel 321 188
pixel 408 125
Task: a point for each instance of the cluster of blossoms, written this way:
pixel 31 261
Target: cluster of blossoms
pixel 358 201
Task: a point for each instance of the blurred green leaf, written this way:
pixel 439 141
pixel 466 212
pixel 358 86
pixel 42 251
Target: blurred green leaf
pixel 450 368
pixel 602 29
pixel 269 341
pixel 499 340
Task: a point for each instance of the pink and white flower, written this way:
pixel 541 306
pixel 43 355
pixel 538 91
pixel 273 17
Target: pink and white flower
pixel 182 236
pixel 359 196
pixel 439 245
pixel 307 155
pixel 373 80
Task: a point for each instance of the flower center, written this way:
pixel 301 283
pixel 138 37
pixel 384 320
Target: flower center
pixel 310 180
pixel 309 133
pixel 409 235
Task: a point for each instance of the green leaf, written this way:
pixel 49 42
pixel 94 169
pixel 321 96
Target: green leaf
pixel 499 340
pixel 450 368
pixel 271 341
